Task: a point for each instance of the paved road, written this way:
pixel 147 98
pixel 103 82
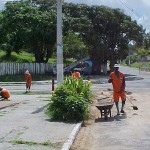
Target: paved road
pixel 126 132
pixel 135 81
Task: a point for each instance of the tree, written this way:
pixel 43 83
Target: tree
pixel 107 29
pixel 106 32
pixel 29 28
pixel 73 46
pixel 147 41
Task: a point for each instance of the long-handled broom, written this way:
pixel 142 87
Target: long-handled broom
pixel 134 107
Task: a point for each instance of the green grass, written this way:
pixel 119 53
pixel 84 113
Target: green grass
pixel 31 93
pixel 140 65
pixel 22 57
pixel 25 57
pixel 46 143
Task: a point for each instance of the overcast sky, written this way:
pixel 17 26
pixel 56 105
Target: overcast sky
pixel 138 9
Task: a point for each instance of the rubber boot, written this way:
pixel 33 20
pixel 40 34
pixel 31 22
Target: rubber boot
pixel 123 103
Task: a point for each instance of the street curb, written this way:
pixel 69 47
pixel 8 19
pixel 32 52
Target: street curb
pixel 72 136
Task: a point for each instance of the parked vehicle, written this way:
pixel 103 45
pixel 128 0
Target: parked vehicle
pixel 85 68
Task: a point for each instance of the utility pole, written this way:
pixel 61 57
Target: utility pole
pixel 60 74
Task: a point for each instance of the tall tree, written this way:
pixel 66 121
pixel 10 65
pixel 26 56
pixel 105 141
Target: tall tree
pixel 73 46
pixel 30 28
pixel 105 31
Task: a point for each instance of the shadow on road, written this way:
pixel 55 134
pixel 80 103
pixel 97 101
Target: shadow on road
pixel 130 77
pixel 113 118
pixel 39 110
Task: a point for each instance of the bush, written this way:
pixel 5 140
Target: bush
pixel 70 101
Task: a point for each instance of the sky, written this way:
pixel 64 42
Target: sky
pixel 139 10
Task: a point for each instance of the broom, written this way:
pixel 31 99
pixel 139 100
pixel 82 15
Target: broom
pixel 134 107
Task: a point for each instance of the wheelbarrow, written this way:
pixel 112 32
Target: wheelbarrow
pixel 105 109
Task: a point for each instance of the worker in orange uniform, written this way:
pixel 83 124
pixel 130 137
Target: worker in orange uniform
pixel 28 79
pixel 4 93
pixel 118 82
pixel 76 74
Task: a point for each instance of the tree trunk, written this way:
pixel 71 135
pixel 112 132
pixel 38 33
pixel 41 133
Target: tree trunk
pixel 96 69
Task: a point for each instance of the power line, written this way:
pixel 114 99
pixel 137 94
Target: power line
pixel 126 5
pixel 147 23
pixel 131 9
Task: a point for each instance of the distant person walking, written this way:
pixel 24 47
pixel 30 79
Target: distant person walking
pixel 4 93
pixel 76 74
pixel 28 79
pixel 118 82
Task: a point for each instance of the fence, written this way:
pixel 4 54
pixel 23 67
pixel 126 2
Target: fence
pixel 19 68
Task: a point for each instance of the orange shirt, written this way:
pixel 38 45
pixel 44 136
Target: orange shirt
pixel 117 82
pixel 5 93
pixel 76 75
pixel 28 79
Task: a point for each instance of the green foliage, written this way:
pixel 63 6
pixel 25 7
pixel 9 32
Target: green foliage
pixel 46 143
pixel 103 29
pixel 137 65
pixel 133 58
pixel 73 45
pixel 70 101
pixel 100 29
pixel 143 51
pixel 14 57
pixel 30 28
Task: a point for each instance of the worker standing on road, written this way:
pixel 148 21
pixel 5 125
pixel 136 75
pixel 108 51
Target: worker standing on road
pixel 118 82
pixel 76 74
pixel 28 79
pixel 4 93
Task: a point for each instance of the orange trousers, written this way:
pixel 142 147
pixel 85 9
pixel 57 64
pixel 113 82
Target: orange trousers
pixel 117 95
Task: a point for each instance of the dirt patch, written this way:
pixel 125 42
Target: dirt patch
pixel 85 136
pixel 89 135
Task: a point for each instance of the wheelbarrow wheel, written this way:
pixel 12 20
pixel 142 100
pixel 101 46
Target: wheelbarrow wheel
pixel 105 114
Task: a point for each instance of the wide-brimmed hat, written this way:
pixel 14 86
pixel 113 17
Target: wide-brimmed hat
pixel 1 88
pixel 116 65
pixel 27 72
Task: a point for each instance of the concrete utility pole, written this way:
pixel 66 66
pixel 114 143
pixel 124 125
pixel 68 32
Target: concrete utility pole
pixel 60 75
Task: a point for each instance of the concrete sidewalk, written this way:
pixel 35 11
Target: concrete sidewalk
pixel 29 119
pixel 28 123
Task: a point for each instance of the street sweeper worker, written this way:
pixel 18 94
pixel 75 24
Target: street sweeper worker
pixel 118 83
pixel 4 93
pixel 76 74
pixel 28 79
